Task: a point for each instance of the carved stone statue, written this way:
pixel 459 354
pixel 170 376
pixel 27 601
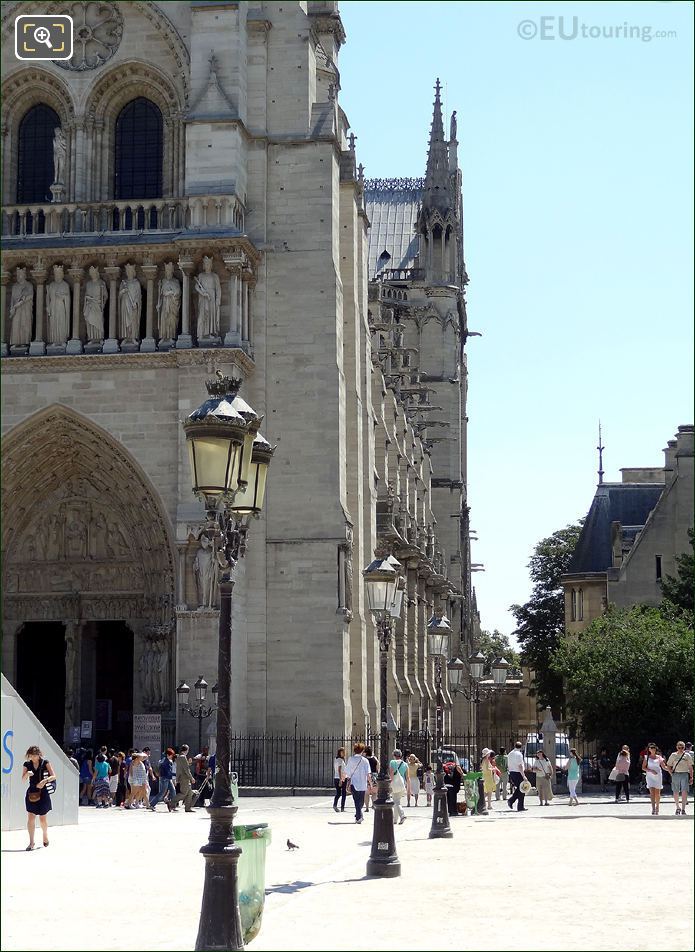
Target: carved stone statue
pixel 145 670
pixel 95 295
pixel 60 151
pixel 76 540
pixel 161 672
pixel 207 285
pixel 205 571
pixel 348 567
pixel 21 309
pixel 129 306
pixel 71 646
pixel 452 128
pixel 58 307
pixel 168 303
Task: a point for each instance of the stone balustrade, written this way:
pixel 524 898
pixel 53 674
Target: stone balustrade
pixel 190 213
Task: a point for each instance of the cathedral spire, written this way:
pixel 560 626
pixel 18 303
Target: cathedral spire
pixel 436 191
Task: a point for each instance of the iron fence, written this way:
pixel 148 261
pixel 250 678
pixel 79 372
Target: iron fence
pixel 306 760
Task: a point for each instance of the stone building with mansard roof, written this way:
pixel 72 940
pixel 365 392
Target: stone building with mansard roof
pixel 201 208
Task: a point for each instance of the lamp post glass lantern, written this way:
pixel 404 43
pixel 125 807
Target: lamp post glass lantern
pixel 438 632
pixel 229 464
pixel 200 712
pixel 385 599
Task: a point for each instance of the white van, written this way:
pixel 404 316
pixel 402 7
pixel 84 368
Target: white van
pixel 534 743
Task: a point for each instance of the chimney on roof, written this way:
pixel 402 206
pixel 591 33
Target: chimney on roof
pixel 684 440
pixel 670 460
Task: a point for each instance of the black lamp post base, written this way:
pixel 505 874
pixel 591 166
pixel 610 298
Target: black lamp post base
pixel 220 923
pixel 441 828
pixel 383 860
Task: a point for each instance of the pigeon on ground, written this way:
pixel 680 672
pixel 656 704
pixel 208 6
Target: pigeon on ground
pixel 291 845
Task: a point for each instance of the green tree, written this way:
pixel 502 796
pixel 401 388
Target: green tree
pixel 629 677
pixel 493 644
pixel 541 620
pixel 678 589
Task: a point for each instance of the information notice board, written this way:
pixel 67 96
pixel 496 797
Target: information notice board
pixel 147 732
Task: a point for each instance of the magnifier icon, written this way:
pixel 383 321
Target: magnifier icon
pixel 43 35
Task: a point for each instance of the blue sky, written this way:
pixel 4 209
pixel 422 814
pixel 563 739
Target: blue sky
pixel 577 169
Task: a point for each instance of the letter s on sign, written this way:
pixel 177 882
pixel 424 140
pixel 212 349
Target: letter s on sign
pixel 7 749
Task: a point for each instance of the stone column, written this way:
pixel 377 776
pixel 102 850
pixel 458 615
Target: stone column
pixel 73 676
pixel 111 346
pixel 443 275
pixel 37 348
pixel 185 341
pixel 148 343
pixel 232 337
pixel 245 310
pixel 4 280
pixel 75 344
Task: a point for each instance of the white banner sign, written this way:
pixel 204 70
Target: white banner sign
pixel 147 732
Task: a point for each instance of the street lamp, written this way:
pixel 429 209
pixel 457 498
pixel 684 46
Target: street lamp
pixel 229 464
pixel 200 712
pixel 438 631
pixel 476 667
pixel 385 599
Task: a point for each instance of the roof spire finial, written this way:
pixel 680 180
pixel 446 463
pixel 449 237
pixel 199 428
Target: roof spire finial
pixel 600 449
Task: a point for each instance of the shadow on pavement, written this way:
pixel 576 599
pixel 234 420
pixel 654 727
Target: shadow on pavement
pixel 289 887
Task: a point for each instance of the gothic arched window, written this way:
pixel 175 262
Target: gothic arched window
pixel 573 605
pixel 35 155
pixel 138 171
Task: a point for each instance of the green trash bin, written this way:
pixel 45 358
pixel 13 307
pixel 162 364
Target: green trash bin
pixel 470 787
pixel 253 840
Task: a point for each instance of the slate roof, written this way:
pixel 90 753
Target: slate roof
pixel 392 206
pixel 627 503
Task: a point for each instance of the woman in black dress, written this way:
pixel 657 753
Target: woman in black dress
pixel 37 799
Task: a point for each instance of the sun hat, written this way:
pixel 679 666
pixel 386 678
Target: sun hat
pixel 525 786
pixel 486 751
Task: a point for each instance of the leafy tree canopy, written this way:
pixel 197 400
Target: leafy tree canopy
pixel 493 644
pixel 679 589
pixel 630 675
pixel 540 621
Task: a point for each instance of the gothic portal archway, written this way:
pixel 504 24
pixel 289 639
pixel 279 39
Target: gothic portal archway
pixel 86 543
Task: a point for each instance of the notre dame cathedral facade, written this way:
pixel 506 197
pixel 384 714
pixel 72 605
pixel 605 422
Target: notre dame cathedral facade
pixel 184 196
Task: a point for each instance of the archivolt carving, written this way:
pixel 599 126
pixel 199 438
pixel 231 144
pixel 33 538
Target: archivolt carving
pixel 28 86
pixel 79 516
pixel 119 85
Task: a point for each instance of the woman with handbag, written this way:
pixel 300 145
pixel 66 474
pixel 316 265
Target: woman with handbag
pixel 340 780
pixel 398 773
pixel 621 773
pixel 37 799
pixel 490 774
pixel 543 770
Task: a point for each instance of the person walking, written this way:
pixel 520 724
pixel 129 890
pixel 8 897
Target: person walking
pixel 371 785
pixel 573 770
pixel 167 781
pixel 137 777
pixel 357 769
pixel 100 776
pixel 398 775
pixel 517 775
pixel 428 780
pixel 413 780
pixel 184 778
pixel 453 778
pixel 37 799
pixel 490 771
pixel 652 765
pixel 622 773
pixel 543 770
pixel 680 766
pixel 503 780
pixel 604 768
pixel 340 780
pixel 86 775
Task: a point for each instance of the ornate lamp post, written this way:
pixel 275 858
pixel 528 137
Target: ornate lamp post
pixel 438 631
pixel 229 465
pixel 385 599
pixel 200 712
pixel 475 693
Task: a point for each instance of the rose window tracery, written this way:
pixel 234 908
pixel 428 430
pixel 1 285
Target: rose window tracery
pixel 97 28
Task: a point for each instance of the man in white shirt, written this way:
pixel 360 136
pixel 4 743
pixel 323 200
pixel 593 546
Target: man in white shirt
pixel 517 774
pixel 358 770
